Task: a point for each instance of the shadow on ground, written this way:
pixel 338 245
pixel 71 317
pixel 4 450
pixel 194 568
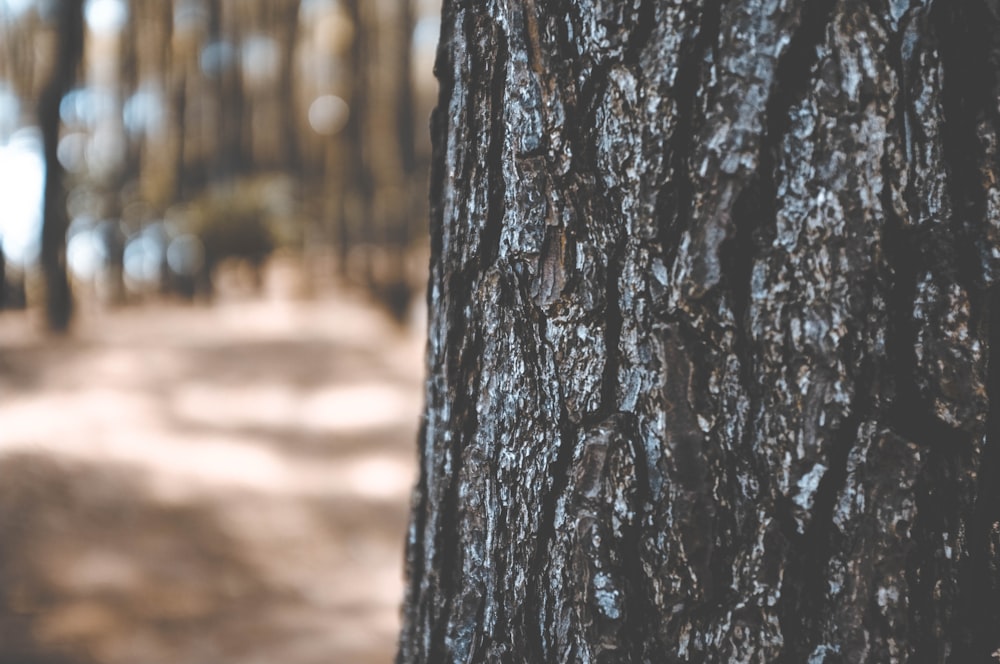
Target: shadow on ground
pixel 87 554
pixel 193 486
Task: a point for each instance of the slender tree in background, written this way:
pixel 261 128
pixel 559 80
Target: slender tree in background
pixel 176 72
pixel 287 15
pixel 399 228
pixel 379 161
pixel 3 277
pixel 69 47
pixel 713 294
pixel 357 222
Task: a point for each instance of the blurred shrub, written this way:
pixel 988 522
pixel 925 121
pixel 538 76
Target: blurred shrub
pixel 232 226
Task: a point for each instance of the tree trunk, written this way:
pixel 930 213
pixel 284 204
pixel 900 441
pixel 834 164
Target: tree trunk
pixel 356 226
pixel 287 18
pixel 3 277
pixel 69 51
pixel 712 298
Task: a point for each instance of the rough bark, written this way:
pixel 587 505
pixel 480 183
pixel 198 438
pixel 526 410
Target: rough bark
pixel 712 298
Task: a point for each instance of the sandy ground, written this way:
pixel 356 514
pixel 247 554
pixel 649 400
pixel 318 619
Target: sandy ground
pixel 204 485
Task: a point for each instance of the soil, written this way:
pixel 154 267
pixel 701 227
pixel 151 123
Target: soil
pixel 206 484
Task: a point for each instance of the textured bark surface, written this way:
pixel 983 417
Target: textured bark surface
pixel 713 292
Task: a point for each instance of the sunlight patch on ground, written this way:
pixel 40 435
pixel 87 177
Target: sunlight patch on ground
pixel 238 406
pixel 348 408
pixel 179 466
pixel 287 429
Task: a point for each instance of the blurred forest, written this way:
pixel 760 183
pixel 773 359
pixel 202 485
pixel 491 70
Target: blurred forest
pixel 145 144
pixel 224 482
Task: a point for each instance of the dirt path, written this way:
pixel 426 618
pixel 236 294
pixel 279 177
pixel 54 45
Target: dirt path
pixel 192 485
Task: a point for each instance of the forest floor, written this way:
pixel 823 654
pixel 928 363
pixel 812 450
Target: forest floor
pixel 207 484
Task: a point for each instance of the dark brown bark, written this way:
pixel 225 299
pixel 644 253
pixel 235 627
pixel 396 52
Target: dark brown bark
pixel 712 299
pixel 69 51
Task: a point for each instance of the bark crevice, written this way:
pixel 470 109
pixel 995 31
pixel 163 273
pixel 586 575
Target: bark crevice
pixel 449 540
pixel 559 472
pixel 640 612
pixel 908 253
pixel 753 213
pixel 675 200
pixel 970 54
pixel 792 80
pixel 640 37
pixel 531 616
pixel 968 82
pixel 755 204
pixel 492 230
pixel 793 75
pixel 983 599
pixel 804 593
pixel 612 336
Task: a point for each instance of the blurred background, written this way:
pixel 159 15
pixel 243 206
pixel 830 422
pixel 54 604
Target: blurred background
pixel 212 260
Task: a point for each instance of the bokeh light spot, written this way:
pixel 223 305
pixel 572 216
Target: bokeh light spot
pixel 328 114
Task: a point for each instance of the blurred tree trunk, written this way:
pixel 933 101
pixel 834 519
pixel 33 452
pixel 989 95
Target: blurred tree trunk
pixel 397 290
pixel 381 154
pixel 226 31
pixel 356 220
pixel 713 293
pixel 18 64
pixel 178 69
pixel 69 51
pixel 3 277
pixel 405 107
pixel 126 84
pixel 288 32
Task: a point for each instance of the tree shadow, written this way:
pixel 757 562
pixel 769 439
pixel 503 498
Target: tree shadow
pixel 304 363
pixel 390 439
pixel 90 565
